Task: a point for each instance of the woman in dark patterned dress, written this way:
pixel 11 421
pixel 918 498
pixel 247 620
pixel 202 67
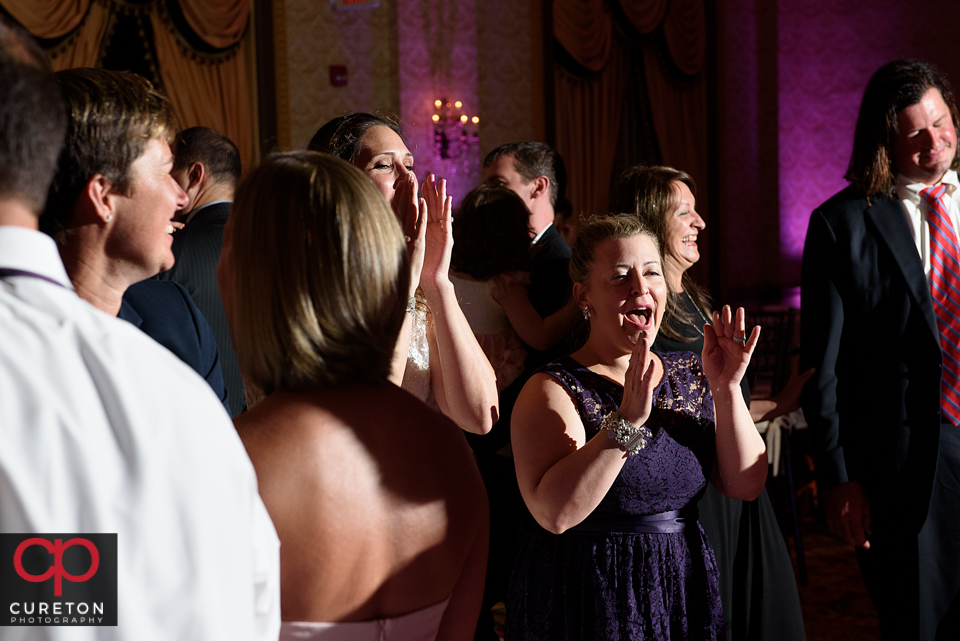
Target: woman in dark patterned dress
pixel 614 445
pixel 757 586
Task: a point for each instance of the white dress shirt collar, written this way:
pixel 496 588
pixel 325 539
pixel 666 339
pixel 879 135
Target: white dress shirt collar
pixel 32 251
pixel 542 232
pixel 907 190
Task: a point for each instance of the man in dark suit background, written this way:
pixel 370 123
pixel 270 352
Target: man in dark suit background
pixel 533 171
pixel 207 167
pixel 887 452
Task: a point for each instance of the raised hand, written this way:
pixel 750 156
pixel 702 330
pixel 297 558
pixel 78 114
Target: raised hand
pixel 411 212
pixel 439 236
pixel 638 383
pixel 727 348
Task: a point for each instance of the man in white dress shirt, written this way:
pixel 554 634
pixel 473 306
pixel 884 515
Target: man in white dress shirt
pixel 880 326
pixel 103 431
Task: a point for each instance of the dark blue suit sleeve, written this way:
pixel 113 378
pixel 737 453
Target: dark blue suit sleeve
pixel 208 365
pixel 821 330
pixel 165 311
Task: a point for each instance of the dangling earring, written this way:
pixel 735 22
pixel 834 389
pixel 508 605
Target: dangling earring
pixel 586 312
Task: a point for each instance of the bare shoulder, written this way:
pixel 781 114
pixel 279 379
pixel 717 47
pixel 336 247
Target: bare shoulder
pixel 546 412
pixel 542 392
pixel 326 434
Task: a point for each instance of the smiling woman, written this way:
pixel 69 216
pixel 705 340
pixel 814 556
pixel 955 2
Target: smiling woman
pixel 111 206
pixel 763 602
pixel 614 445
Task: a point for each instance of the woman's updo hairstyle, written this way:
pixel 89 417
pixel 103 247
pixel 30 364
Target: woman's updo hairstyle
pixel 599 229
pixel 341 136
pixel 320 275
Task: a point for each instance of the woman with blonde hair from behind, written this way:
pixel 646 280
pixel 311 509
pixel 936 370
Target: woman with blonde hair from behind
pixel 380 510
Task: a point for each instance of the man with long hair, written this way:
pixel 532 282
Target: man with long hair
pixel 880 324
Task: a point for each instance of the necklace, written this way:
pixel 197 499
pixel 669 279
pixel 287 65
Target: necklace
pixel 699 311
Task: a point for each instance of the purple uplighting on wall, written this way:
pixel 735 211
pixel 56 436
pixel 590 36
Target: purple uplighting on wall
pixel 825 58
pixel 791 77
pixel 439 58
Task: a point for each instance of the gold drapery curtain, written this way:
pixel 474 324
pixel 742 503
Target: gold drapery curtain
pixel 48 18
pixel 685 30
pixel 645 15
pixel 587 134
pixel 585 29
pixel 589 108
pixel 82 48
pixel 207 94
pixel 207 89
pixel 220 23
pixel 679 111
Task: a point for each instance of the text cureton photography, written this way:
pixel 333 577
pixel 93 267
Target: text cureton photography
pixel 58 579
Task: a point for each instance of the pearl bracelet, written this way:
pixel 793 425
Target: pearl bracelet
pixel 631 438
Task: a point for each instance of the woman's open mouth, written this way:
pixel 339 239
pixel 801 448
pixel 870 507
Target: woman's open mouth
pixel 641 317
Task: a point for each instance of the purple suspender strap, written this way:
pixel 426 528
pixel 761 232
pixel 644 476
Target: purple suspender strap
pixel 6 272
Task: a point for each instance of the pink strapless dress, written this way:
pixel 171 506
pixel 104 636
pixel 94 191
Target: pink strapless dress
pixel 421 625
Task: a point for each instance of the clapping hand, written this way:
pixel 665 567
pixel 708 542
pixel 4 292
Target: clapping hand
pixel 412 214
pixel 439 236
pixel 727 348
pixel 638 383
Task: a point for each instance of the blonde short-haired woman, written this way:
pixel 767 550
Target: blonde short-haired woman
pixel 380 510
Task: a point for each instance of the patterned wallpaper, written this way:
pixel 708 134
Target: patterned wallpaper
pixel 791 76
pixel 511 73
pixel 364 40
pixel 741 220
pixel 407 53
pixel 438 59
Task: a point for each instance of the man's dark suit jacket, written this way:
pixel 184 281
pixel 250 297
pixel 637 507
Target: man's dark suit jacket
pixel 196 249
pixel 166 313
pixel 550 284
pixel 869 328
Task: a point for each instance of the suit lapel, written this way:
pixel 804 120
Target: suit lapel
pixel 888 218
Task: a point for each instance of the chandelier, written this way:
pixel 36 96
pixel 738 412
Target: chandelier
pixel 456 135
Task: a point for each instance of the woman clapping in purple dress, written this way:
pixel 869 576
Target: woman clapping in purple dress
pixel 614 445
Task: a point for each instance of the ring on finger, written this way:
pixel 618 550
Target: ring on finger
pixel 740 340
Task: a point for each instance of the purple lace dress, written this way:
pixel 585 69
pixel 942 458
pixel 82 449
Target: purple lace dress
pixel 639 566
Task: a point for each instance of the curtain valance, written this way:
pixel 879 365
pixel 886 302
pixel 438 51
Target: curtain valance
pixel 219 24
pixel 584 28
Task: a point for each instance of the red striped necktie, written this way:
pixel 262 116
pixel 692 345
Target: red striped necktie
pixel 945 289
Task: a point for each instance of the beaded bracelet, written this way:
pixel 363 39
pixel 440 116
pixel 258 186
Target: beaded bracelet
pixel 631 438
pixel 412 305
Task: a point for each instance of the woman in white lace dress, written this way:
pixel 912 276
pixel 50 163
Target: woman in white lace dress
pixel 438 358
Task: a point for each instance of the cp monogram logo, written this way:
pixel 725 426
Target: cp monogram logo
pixel 56 570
